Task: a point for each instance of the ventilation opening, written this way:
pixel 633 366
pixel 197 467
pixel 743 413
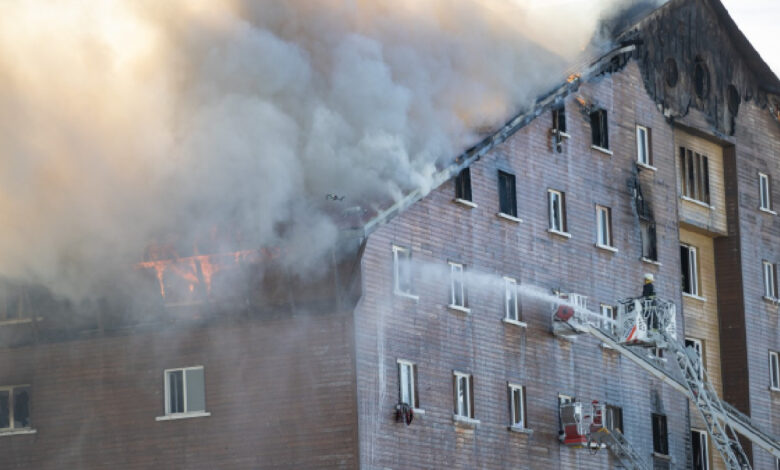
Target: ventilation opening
pixel 670 72
pixel 701 79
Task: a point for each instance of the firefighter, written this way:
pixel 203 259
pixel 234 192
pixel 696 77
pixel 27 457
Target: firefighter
pixel 648 290
pixel 648 293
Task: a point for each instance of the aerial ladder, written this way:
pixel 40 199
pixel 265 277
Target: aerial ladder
pixel 650 322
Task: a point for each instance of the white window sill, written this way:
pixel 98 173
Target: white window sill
pixel 772 300
pixel 18 432
pixel 459 308
pixel 768 211
pixel 418 411
pixel 171 417
pixel 465 202
pixel 559 233
pixel 646 166
pixel 697 202
pixel 662 456
pixel 465 421
pixel 517 323
pixel 607 347
pixel 565 135
pixel 510 218
pixel 606 248
pixel 650 261
pixel 521 430
pixel 407 295
pixel 601 149
pixel 19 321
pixel 774 390
pixel 695 297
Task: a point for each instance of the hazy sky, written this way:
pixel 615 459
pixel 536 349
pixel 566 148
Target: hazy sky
pixel 758 20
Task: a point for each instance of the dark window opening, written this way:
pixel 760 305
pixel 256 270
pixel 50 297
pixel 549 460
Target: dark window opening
pixel 701 79
pixel 660 436
pixel 695 175
pixel 506 194
pixel 463 185
pixel 614 418
pixel 670 72
pixel 733 100
pixel 699 447
pixel 599 130
pixel 5 409
pixel 176 391
pixel 649 250
pixel 15 407
pixel 559 119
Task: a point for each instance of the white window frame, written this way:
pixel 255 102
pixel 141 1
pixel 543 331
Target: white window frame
pixel 704 445
pixel 769 280
pixel 467 392
pixel 404 365
pixel 11 426
pixel 693 270
pixel 457 282
pixel 765 192
pixel 511 310
pixel 604 214
pixel 643 137
pixel 516 389
pixel 608 312
pixel 399 251
pixel 556 223
pixel 774 370
pixel 186 413
pixel 698 346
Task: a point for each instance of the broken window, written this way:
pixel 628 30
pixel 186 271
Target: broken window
pixel 696 346
pixel 563 400
pixel 614 418
pixel 690 270
pixel 464 394
pixel 695 175
pixel 559 120
pixel 765 192
pixel 457 287
pixel 660 436
pixel 14 407
pixel 649 251
pixel 699 447
pixel 510 300
pixel 185 391
pixel 774 370
pixel 598 128
pixel 506 194
pixel 701 78
pixel 407 383
pixel 643 146
pixel 603 226
pixel 557 210
pixel 609 322
pixel 770 283
pixel 402 271
pixel 517 406
pixel 463 185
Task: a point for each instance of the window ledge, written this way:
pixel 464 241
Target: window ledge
pixel 517 323
pixel 521 430
pixel 646 166
pixel 465 202
pixel 697 202
pixel 510 218
pixel 650 261
pixel 607 347
pixel 601 149
pixel 171 417
pixel 459 308
pixel 606 248
pixel 418 411
pixel 18 432
pixel 775 390
pixel 696 297
pixel 565 135
pixel 465 421
pixel 559 233
pixel 19 321
pixel 662 456
pixel 407 295
pixel 772 300
pixel 768 211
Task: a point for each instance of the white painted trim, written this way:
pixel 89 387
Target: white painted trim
pixel 406 295
pixel 768 211
pixel 565 135
pixel 601 149
pixel 18 432
pixel 772 300
pixel 471 422
pixel 649 261
pixel 418 411
pixel 520 324
pixel 458 308
pixel 697 202
pixel 695 297
pixel 559 233
pixel 175 416
pixel 510 218
pixel 20 321
pixel 662 456
pixel 646 167
pixel 166 389
pixel 521 430
pixel 606 248
pixel 465 202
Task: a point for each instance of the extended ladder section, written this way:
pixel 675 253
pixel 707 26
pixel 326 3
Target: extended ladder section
pixel 650 322
pixel 620 447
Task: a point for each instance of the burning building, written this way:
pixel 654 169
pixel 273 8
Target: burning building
pixel 426 336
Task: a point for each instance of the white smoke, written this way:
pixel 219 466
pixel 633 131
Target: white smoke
pixel 125 121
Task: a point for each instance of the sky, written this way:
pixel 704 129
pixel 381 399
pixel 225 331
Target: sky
pixel 758 20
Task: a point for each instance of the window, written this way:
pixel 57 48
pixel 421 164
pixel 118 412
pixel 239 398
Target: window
pixel 563 400
pixel 14 407
pixel 517 406
pixel 700 453
pixel 764 189
pixel 695 344
pixel 609 321
pixel 660 437
pixel 559 120
pixel 649 251
pixel 402 271
pixel 770 286
pixel 598 128
pixel 774 370
pixel 643 146
pixel 603 226
pixel 184 391
pixel 407 383
pixel 464 395
pixel 463 185
pixel 506 194
pixel 457 289
pixel 614 418
pixel 690 270
pixel 510 299
pixel 695 178
pixel 557 210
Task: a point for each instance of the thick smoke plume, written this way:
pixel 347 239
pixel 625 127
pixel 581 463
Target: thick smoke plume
pixel 129 122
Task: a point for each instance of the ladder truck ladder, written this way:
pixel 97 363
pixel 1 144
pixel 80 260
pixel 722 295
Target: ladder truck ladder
pixel 619 446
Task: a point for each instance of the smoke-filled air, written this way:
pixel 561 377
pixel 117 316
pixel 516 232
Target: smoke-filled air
pixel 125 123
